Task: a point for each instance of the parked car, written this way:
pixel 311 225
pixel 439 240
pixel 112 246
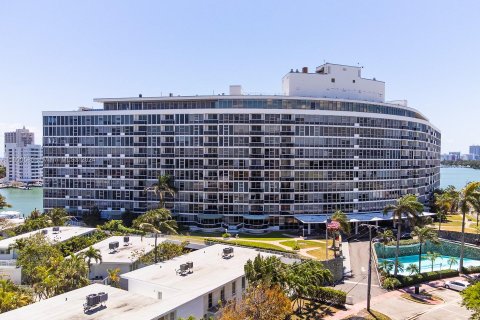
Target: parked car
pixel 457 285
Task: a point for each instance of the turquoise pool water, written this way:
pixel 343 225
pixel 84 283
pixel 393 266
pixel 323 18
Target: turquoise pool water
pixel 440 263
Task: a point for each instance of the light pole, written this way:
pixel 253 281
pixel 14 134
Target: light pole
pixel 326 237
pixel 369 286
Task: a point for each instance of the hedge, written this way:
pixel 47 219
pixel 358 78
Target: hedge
pixel 250 244
pixel 331 296
pixel 471 269
pixel 426 276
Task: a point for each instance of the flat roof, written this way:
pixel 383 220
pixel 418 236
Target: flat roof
pixel 64 234
pixel 354 217
pixel 124 252
pixel 210 271
pixel 121 304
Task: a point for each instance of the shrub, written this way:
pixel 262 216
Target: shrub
pixel 471 269
pixel 78 243
pixel 426 276
pixel 331 296
pixel 226 235
pixel 391 283
pixel 296 246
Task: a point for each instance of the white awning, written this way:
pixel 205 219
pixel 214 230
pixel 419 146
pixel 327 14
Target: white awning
pixel 353 217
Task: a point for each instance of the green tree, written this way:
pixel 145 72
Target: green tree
pixel 406 207
pixel 432 256
pixel 466 197
pixel 452 261
pixel 12 296
pixel 3 202
pixel 3 172
pixel 117 227
pixel 165 251
pixel 384 238
pixel 386 266
pixel 57 216
pixel 471 300
pixel 444 203
pixel 455 196
pixel 92 254
pixel 342 220
pixel 423 235
pixel 93 217
pixel 163 187
pixel 413 268
pixel 268 270
pixel 73 273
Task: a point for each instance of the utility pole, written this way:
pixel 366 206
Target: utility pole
pixel 369 286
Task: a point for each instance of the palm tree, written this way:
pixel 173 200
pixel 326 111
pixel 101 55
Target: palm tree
pixel 455 196
pixel 164 186
pixel 35 214
pixel 343 223
pixel 386 266
pixel 413 268
pixel 148 227
pixel 92 254
pixel 467 196
pixel 409 206
pixel 74 272
pixel 423 235
pixel 385 237
pixel 57 216
pixel 444 202
pixel 113 275
pixel 432 256
pixel 3 203
pixel 452 261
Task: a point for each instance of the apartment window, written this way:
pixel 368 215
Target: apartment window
pixel 210 300
pixel 222 294
pixel 333 80
pixel 243 283
pixel 234 288
pixel 353 81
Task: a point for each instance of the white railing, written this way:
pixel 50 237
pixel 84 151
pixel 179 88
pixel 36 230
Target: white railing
pixel 8 263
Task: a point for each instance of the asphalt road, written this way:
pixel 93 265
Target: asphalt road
pixel 356 286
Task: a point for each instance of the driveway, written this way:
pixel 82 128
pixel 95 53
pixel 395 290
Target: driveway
pixel 356 285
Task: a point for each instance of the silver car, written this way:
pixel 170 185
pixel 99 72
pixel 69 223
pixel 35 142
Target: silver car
pixel 457 285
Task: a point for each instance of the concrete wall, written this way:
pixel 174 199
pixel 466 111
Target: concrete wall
pixel 12 273
pixel 100 270
pixel 336 267
pixel 457 236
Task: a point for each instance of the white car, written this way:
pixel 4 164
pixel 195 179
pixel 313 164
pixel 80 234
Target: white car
pixel 457 285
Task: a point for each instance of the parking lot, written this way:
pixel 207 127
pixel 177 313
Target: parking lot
pixel 399 308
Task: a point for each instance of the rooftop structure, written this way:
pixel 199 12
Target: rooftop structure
pixel 212 272
pixel 124 256
pixel 120 305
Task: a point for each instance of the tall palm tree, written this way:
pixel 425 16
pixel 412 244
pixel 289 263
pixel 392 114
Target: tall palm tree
pixel 148 227
pixel 74 272
pixel 342 220
pixel 444 202
pixel 3 203
pixel 423 235
pixel 413 268
pixel 467 197
pixel 455 195
pixel 57 216
pixel 92 254
pixel 384 238
pixel 452 261
pixel 164 186
pixel 406 207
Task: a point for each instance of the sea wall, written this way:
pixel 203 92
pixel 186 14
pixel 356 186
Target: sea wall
pixel 445 248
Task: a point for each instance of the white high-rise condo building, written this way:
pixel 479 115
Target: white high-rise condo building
pixel 250 162
pixel 23 158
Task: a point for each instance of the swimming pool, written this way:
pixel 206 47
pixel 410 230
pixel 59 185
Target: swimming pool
pixel 440 263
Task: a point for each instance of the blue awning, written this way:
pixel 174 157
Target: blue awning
pixel 353 217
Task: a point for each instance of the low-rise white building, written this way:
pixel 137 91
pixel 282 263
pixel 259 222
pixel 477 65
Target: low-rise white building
pixel 8 255
pixel 124 257
pixel 121 305
pixel 197 290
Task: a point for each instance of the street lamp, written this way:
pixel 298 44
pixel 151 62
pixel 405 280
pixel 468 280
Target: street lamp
pixel 369 286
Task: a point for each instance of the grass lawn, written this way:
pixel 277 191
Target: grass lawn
pixel 319 253
pixel 254 244
pixel 304 244
pixel 365 315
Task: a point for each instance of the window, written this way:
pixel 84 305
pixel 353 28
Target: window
pixel 234 288
pixel 222 294
pixel 210 300
pixel 353 81
pixel 333 80
pixel 243 283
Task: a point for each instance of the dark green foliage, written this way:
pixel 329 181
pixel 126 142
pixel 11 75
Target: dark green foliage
pixel 79 243
pixel 471 269
pixel 331 296
pixel 93 218
pixel 391 283
pixel 117 227
pixel 128 217
pixel 426 276
pixel 3 171
pixel 270 271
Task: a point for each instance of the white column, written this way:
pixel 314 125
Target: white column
pixel 308 228
pixel 376 223
pixel 356 227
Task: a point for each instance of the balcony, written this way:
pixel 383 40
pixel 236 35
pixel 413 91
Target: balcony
pixel 287 178
pixel 256 178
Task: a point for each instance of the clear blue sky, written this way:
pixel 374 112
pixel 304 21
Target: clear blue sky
pixel 58 55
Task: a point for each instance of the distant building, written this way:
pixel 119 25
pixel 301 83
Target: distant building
pixel 475 151
pixel 23 158
pixel 454 156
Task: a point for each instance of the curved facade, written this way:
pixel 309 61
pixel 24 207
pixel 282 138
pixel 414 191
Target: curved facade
pixel 251 162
